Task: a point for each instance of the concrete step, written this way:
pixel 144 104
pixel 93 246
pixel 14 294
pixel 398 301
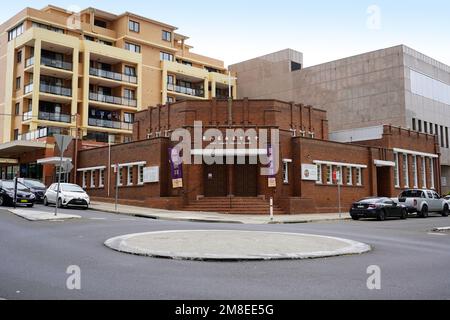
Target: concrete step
pixel 234 205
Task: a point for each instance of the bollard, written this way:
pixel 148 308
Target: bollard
pixel 271 209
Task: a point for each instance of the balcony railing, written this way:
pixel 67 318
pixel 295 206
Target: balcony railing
pixel 57 90
pixel 112 75
pixel 27 116
pixel 29 62
pixel 112 100
pixel 48 88
pixel 110 124
pixel 28 88
pixel 186 90
pixel 54 63
pixel 33 135
pixel 41 133
pixel 57 117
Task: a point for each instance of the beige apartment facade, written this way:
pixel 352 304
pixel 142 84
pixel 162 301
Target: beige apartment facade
pixel 397 85
pixel 86 74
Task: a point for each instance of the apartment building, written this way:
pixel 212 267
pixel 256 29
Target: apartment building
pixel 397 85
pixel 86 74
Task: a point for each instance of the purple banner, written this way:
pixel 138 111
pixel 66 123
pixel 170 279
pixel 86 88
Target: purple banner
pixel 271 165
pixel 176 164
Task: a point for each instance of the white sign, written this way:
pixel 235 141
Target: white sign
pixel 309 172
pixel 151 174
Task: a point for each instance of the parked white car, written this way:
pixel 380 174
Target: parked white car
pixel 69 195
pixel 423 201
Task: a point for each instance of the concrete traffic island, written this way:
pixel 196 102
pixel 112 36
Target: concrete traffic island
pixel 32 215
pixel 222 245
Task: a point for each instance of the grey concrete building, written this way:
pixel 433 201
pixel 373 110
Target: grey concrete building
pixel 397 86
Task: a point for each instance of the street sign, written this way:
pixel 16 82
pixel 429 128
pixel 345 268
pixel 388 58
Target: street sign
pixel 63 141
pixel 67 166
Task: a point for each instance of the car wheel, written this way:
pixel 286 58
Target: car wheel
pixel 445 211
pixel 404 215
pixel 2 201
pixel 60 204
pixel 45 202
pixel 86 208
pixel 381 216
pixel 424 212
pixel 356 218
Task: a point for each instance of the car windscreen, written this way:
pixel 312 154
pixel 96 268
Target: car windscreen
pixel 371 200
pixel 10 185
pixel 34 184
pixel 412 194
pixel 71 188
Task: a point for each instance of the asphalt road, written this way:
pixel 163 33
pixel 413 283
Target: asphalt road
pixel 34 257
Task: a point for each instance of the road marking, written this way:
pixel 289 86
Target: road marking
pixel 2 299
pixel 437 234
pixel 97 218
pixel 125 219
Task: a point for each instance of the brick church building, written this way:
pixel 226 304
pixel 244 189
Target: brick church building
pixel 310 165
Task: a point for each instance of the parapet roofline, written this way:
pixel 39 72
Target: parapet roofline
pixel 112 16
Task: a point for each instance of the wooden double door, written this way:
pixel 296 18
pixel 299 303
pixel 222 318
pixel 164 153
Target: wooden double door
pixel 244 180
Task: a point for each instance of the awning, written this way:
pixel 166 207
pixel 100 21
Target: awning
pixel 383 163
pixel 15 148
pixel 53 160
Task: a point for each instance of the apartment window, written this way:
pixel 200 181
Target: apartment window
pixel 416 179
pixel 171 99
pixel 133 47
pixel 130 176
pixel 295 66
pixel 128 94
pixel 442 136
pixel 128 117
pixel 186 63
pixel 349 176
pixel 420 125
pixel 396 171
pixel 319 174
pixel 19 56
pixel 107 43
pixel 100 23
pixel 424 173
pixel 127 139
pixel 47 27
pixel 431 128
pixel 16 134
pixel 14 33
pixel 285 172
pixel 359 176
pixel 17 109
pixel 414 127
pixel 425 127
pixel 134 26
pixel 436 132
pixel 18 83
pixel 141 175
pixel 405 171
pixel 167 36
pixel 89 38
pixel 329 175
pixel 446 138
pixel 92 179
pixel 166 56
pixel 432 172
pixel 341 178
pixel 170 79
pixel 101 182
pixel 130 71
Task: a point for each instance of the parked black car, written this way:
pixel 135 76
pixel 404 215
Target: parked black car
pixel 24 196
pixel 36 187
pixel 379 208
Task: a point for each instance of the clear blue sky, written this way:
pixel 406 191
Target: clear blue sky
pixel 237 30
